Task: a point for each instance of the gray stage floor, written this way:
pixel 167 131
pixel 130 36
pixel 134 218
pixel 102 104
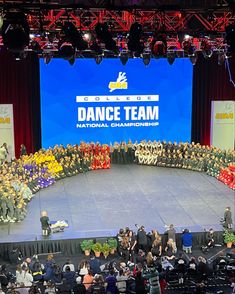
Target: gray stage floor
pixel 98 203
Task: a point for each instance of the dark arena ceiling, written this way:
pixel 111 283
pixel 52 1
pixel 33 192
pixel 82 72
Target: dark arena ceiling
pixel 201 19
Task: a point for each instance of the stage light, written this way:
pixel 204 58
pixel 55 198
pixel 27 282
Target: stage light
pixel 98 59
pixel 146 58
pixel 87 37
pixel 221 58
pixel 47 56
pixel 15 31
pixel 72 35
pixel 159 45
pixel 188 47
pixel 134 43
pixel 193 59
pixel 206 48
pixel 67 51
pixel 105 36
pixel 124 55
pixel 170 57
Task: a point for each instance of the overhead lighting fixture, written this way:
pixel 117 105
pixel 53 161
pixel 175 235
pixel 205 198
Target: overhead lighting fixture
pixel 206 48
pixel 67 51
pixel 47 56
pixel 15 31
pixel 193 59
pixel 146 57
pixel 124 56
pixel 98 59
pixel 188 47
pixel 105 36
pixel 71 34
pixel 170 57
pixel 159 44
pixel 134 43
pixel 221 58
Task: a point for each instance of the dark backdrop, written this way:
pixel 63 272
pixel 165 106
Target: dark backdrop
pixel 20 85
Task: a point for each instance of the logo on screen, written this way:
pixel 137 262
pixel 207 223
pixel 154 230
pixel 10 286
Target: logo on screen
pixel 120 84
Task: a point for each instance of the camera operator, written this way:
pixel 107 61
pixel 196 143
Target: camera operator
pixel 210 238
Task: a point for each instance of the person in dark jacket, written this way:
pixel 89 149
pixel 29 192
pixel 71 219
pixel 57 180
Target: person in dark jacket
pixel 79 288
pixel 139 284
pixel 95 265
pixel 64 288
pixel 142 240
pixel 111 283
pixel 70 277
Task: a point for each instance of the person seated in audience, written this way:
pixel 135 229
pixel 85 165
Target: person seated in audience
pixel 69 264
pixel 98 285
pixel 83 268
pixel 50 288
pixel 70 276
pixel 111 282
pixel 88 279
pixel 79 288
pixel 23 276
pixel 121 281
pixel 64 287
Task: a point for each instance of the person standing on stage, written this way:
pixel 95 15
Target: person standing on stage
pixel 45 223
pixel 228 223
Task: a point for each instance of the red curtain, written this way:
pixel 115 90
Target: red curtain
pixel 19 85
pixel 210 82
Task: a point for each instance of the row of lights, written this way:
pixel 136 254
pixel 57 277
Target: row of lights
pixel 16 37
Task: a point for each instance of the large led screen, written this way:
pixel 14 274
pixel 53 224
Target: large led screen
pixel 111 102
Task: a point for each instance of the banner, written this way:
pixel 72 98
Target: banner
pixel 223 124
pixel 7 128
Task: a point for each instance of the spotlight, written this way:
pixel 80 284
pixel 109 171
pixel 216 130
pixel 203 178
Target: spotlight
pixel 87 37
pixel 146 57
pixel 67 51
pixel 134 44
pixel 193 59
pixel 47 56
pixel 188 47
pixel 98 59
pixel 105 36
pixel 206 48
pixel 170 57
pixel 124 55
pixel 221 58
pixel 15 31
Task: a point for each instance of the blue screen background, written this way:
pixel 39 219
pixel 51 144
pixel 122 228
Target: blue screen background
pixel 61 83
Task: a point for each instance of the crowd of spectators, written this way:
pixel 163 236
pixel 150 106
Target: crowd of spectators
pixel 143 265
pixel 21 178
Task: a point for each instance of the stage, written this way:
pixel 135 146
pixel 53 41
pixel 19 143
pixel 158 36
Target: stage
pixel 98 203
